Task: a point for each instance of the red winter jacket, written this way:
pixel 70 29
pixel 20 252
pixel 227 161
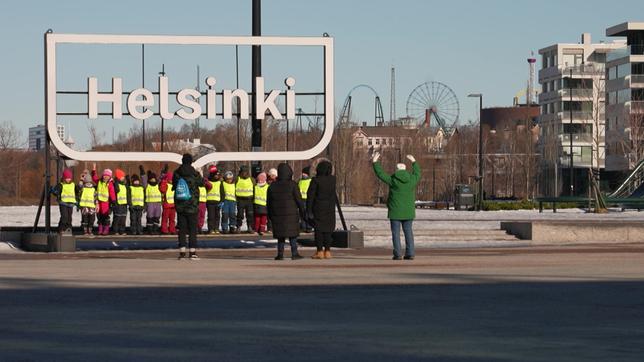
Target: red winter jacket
pixel 163 187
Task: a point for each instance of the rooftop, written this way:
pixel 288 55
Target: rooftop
pixel 624 28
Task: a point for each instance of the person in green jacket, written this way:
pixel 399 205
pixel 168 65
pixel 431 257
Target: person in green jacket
pixel 401 202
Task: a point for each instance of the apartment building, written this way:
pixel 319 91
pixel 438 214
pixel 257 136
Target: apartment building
pixel 625 99
pixel 572 100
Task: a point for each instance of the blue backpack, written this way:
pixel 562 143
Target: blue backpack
pixel 182 191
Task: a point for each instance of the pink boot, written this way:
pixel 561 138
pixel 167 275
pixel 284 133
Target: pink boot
pixel 100 229
pixel 106 230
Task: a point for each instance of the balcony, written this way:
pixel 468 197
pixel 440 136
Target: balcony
pixel 637 80
pixel 625 52
pixel 579 93
pixel 576 116
pixel 576 138
pixel 618 54
pixel 578 71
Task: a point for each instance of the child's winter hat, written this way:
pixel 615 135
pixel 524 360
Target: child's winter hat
pixel 228 174
pixel 152 175
pixel 135 177
pixel 261 178
pixel 306 170
pixel 67 173
pixel 107 172
pixel 272 172
pixel 87 178
pixel 243 168
pixel 119 174
pixel 212 169
pixel 401 166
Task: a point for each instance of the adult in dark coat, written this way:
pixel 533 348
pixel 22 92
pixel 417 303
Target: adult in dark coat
pixel 187 210
pixel 285 206
pixel 320 206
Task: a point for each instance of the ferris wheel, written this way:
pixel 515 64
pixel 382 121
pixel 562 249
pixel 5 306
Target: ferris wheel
pixel 433 101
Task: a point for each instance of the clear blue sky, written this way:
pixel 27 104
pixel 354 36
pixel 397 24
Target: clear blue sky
pixel 473 46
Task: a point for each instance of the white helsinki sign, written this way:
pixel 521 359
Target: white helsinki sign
pixel 140 100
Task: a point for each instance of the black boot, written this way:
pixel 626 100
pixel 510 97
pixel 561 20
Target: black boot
pixel 280 251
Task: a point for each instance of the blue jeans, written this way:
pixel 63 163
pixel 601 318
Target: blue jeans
pixel 409 236
pixel 228 215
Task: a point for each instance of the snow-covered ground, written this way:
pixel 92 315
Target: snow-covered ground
pixel 432 228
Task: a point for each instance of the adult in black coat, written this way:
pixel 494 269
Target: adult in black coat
pixel 320 206
pixel 187 210
pixel 285 206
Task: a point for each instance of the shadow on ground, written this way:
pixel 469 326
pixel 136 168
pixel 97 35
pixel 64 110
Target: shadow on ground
pixel 40 320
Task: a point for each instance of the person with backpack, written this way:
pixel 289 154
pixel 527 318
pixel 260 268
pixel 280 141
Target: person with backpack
pixel 400 202
pixel 186 198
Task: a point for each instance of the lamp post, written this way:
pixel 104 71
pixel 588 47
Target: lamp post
pixel 162 73
pixel 480 176
pixel 572 184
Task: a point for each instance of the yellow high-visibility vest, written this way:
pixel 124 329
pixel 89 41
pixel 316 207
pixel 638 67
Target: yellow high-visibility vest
pixel 103 191
pixel 169 194
pixel 88 197
pixel 137 195
pixel 214 194
pixel 202 194
pixel 121 196
pixel 152 193
pixel 68 193
pixel 229 192
pixel 244 187
pixel 261 194
pixel 304 187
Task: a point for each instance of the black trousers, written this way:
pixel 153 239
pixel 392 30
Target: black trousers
pixel 323 239
pixel 88 220
pixel 187 226
pixel 136 214
pixel 65 221
pixel 120 215
pixel 214 215
pixel 245 206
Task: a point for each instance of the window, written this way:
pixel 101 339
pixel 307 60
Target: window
pixel 370 142
pixel 623 70
pixel 377 141
pixel 612 97
pixel 612 73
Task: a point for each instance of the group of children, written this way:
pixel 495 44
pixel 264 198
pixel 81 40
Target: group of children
pixel 226 201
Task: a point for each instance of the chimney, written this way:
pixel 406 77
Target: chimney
pixel 585 38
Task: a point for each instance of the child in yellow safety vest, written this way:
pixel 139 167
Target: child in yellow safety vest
pixel 136 202
pixel 153 201
pixel 229 205
pixel 120 206
pixel 65 191
pixel 259 203
pixel 169 215
pixel 106 197
pixel 303 185
pixel 88 203
pixel 213 199
pixel 244 188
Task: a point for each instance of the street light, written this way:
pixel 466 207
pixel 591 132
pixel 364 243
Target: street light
pixel 162 73
pixel 480 176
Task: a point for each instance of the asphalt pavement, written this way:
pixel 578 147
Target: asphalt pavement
pixel 572 303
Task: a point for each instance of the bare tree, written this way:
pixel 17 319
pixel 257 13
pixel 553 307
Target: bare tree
pixel 10 136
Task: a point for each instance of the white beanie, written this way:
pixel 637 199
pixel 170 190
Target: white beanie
pixel 401 166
